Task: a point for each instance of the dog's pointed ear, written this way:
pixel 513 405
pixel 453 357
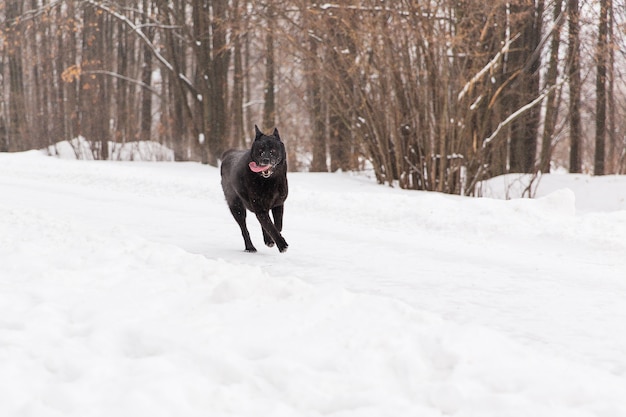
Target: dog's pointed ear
pixel 257 132
pixel 275 134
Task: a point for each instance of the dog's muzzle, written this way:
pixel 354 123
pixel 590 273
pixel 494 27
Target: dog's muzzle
pixel 268 172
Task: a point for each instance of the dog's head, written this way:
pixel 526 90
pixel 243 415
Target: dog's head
pixel 267 152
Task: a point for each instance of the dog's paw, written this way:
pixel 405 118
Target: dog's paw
pixel 251 249
pixel 267 239
pixel 283 248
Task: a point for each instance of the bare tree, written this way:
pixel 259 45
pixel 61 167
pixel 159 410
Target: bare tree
pixel 16 133
pixel 269 102
pixel 315 102
pixel 601 63
pixel 526 19
pixel 339 60
pixel 146 75
pixel 552 103
pixel 575 164
pixel 94 94
pixel 237 96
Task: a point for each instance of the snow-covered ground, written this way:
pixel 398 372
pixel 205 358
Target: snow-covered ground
pixel 125 291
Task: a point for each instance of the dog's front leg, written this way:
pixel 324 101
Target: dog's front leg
pixel 239 213
pixel 270 228
pixel 277 214
pixel 269 242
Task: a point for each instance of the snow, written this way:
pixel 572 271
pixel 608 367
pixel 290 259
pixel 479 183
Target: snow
pixel 125 291
pixel 597 194
pixel 80 148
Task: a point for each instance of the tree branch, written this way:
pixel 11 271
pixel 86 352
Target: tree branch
pixel 518 113
pixel 128 79
pixel 486 68
pixel 137 29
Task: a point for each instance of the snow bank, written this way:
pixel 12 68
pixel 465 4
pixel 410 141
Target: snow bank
pixel 80 148
pixel 595 194
pixel 382 207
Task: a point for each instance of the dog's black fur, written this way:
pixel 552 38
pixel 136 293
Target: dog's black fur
pixel 258 192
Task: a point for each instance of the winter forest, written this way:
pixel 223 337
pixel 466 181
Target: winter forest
pixel 436 95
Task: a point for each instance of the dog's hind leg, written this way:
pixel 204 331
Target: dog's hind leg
pixel 270 229
pixel 239 213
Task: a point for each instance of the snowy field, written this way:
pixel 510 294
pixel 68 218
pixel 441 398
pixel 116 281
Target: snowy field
pixel 125 292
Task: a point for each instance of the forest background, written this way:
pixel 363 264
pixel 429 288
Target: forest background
pixel 437 95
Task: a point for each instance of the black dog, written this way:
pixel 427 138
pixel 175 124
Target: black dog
pixel 256 180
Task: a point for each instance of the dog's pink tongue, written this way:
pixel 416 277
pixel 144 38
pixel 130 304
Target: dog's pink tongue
pixel 258 168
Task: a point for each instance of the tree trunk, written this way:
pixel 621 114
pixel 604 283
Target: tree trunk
pixel 73 87
pixel 94 103
pixel 59 107
pixel 601 52
pixel 269 104
pixel 314 89
pixel 552 106
pixel 236 105
pixel 146 79
pixel 181 120
pixel 612 131
pixel 575 133
pixel 219 81
pixel 527 20
pixel 122 91
pixel 341 83
pixel 17 136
